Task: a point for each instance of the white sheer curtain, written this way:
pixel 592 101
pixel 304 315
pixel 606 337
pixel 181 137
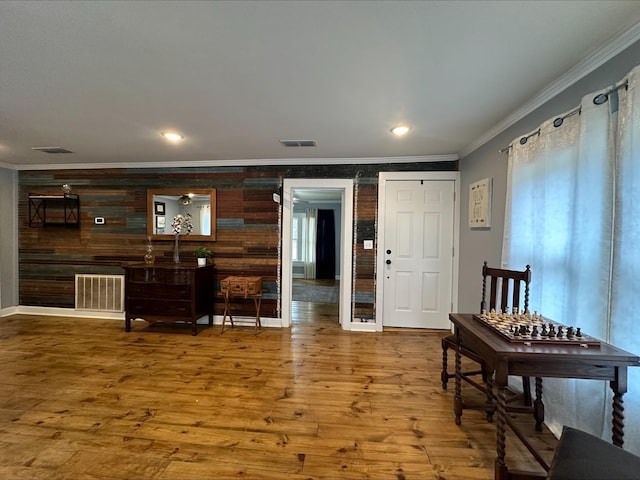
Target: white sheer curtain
pixel 310 244
pixel 625 293
pixel 564 191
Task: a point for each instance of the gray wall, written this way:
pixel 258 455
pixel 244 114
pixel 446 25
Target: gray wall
pixel 478 245
pixel 8 238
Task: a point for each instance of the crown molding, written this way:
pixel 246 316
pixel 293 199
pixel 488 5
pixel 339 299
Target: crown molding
pixel 245 163
pixel 596 59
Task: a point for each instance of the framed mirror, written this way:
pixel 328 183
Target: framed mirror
pixel 164 204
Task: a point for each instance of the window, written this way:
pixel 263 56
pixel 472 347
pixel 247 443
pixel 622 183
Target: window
pixel 298 235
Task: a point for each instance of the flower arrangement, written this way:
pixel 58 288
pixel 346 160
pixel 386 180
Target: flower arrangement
pixel 182 224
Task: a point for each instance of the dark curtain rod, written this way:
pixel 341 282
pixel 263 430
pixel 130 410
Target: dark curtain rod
pixel 599 99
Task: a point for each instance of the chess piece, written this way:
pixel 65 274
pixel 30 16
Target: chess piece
pixel 570 332
pixel 534 332
pixel 552 331
pixel 560 333
pixel 544 330
pixel 578 332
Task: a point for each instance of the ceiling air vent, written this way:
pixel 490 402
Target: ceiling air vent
pixel 298 143
pixel 51 149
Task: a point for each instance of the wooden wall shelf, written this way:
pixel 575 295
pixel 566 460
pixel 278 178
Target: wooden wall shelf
pixel 47 210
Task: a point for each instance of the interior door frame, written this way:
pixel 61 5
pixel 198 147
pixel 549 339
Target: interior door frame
pixel 346 242
pixel 380 256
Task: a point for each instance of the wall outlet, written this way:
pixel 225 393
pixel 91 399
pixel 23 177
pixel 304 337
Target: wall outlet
pixel 368 244
pixel 98 220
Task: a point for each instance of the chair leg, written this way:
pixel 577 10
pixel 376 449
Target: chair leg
pixel 444 376
pixel 526 389
pixel 491 401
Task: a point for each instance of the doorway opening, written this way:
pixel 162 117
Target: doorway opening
pixel 317 228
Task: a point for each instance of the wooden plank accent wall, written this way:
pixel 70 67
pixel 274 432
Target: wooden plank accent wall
pixel 248 229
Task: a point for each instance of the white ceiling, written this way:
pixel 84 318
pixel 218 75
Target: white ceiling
pixel 103 79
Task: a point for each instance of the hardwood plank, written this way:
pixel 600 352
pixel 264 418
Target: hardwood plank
pixel 84 399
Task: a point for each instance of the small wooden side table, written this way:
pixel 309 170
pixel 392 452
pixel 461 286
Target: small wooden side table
pixel 229 297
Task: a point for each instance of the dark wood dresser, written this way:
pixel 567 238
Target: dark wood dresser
pixel 169 292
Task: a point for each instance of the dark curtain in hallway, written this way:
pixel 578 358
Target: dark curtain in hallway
pixel 326 245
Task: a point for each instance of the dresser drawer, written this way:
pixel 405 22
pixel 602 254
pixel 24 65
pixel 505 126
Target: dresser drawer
pixel 160 275
pixel 173 308
pixel 158 290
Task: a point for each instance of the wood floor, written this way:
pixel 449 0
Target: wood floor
pixel 82 399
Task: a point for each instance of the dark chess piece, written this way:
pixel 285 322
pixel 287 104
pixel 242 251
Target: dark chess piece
pixel 552 331
pixel 578 332
pixel 544 330
pixel 570 332
pixel 534 332
pixel 560 333
pixel 516 332
pixel 523 330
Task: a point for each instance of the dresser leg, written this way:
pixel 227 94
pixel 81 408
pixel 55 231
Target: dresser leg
pixel 127 323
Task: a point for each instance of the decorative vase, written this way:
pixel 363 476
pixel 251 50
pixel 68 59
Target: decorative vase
pixel 202 261
pixel 176 250
pixel 149 258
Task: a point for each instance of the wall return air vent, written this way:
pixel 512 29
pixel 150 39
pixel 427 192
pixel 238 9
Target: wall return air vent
pixel 299 143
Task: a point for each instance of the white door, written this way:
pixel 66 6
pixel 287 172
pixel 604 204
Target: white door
pixel 418 253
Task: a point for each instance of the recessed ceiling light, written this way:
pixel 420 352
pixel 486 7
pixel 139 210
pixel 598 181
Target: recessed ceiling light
pixel 400 130
pixel 51 149
pixel 174 137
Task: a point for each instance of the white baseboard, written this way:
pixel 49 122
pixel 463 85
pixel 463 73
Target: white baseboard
pixel 73 313
pixel 362 327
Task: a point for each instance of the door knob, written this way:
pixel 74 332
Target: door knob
pixel 388 262
pixel 388 252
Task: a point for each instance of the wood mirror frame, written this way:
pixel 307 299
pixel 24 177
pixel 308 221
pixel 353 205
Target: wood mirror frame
pixel 161 210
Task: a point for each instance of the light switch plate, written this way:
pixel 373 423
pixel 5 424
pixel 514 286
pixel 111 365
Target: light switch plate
pixel 368 244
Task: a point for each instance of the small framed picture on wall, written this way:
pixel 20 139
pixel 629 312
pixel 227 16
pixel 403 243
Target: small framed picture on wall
pixel 480 203
pixel 159 208
pixel 160 221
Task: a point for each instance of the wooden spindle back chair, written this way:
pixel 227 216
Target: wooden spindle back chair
pixel 506 289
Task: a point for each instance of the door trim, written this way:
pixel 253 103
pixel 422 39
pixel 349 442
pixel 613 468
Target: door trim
pixel 346 243
pixel 427 176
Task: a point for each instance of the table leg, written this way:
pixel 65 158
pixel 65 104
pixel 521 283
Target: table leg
pixel 457 399
pixel 618 420
pixel 619 387
pixel 257 301
pixel 194 328
pixel 538 405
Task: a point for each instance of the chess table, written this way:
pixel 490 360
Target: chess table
pixel 558 360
